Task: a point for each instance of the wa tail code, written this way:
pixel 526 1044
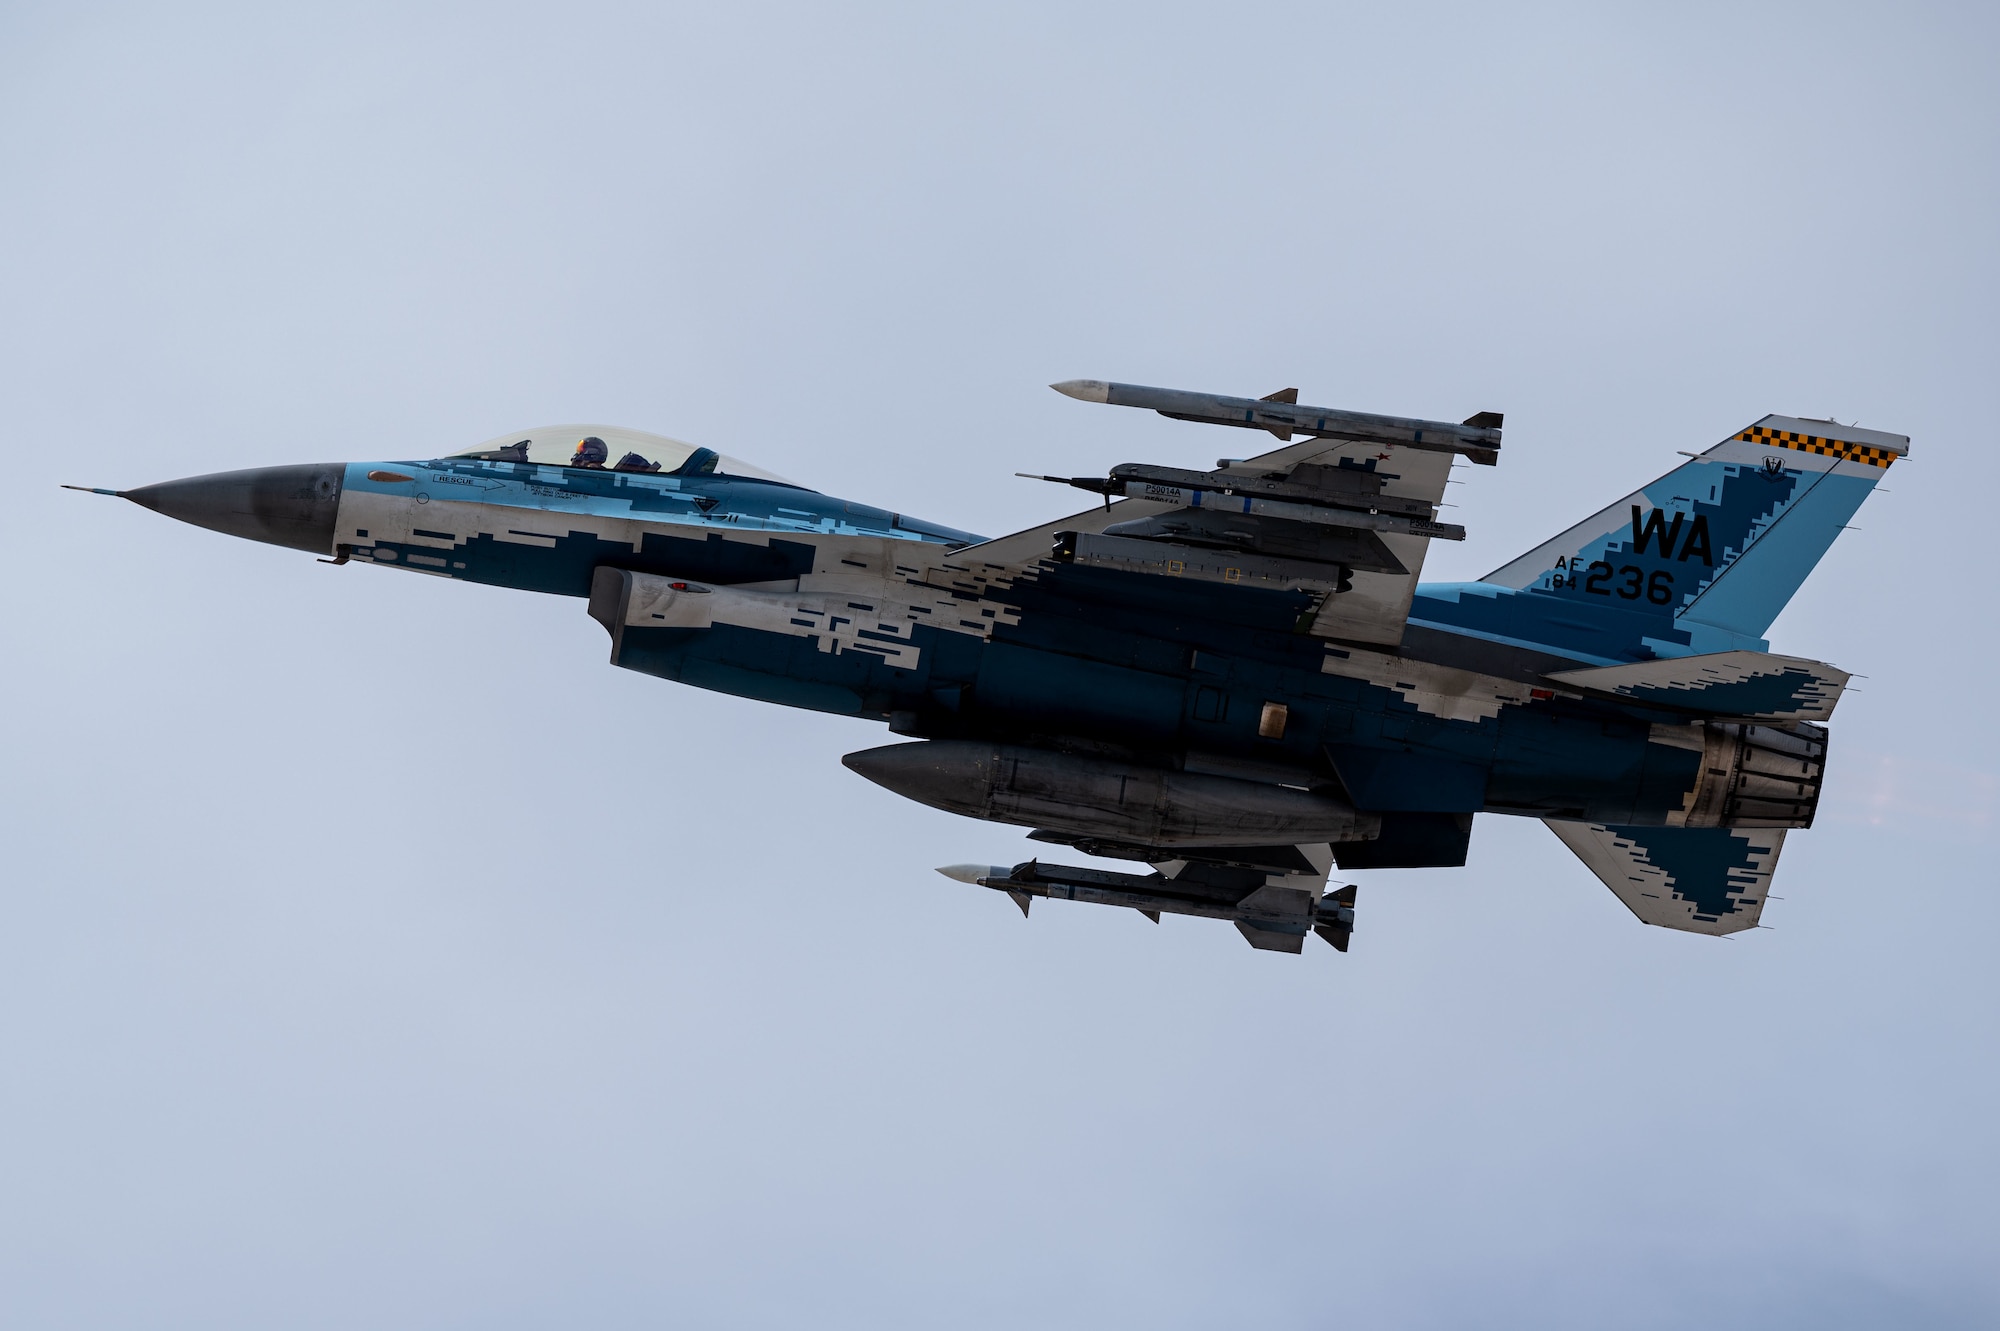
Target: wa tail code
pixel 1655 528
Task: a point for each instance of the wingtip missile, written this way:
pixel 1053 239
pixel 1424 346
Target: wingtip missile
pixel 1283 415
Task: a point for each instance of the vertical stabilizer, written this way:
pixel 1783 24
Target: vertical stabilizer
pixel 1703 559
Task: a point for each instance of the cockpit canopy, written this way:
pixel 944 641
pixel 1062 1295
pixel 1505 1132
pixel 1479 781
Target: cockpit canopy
pixel 623 450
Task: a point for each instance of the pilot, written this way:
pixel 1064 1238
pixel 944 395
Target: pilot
pixel 590 454
pixel 633 462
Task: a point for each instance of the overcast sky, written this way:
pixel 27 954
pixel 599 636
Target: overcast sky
pixel 372 954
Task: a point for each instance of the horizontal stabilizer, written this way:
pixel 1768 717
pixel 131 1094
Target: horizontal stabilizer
pixel 1751 685
pixel 1704 880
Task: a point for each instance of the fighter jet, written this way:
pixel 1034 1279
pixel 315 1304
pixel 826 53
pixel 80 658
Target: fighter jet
pixel 1229 679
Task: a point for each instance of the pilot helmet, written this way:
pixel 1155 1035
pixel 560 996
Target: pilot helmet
pixel 591 452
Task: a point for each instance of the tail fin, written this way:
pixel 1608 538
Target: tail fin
pixel 1713 550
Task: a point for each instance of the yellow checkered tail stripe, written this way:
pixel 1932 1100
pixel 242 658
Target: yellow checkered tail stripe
pixel 1808 443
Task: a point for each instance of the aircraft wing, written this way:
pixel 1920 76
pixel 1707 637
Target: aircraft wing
pixel 1346 515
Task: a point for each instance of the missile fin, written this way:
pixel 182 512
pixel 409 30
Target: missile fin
pixel 1336 922
pixel 1289 396
pixel 1152 915
pixel 1022 899
pixel 1267 939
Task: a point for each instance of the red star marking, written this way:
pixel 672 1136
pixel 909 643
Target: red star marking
pixel 1382 457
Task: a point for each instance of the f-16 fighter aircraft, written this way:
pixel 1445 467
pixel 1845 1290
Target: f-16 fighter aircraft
pixel 1230 678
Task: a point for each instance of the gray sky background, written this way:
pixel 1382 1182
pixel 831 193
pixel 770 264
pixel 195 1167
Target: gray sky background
pixel 373 954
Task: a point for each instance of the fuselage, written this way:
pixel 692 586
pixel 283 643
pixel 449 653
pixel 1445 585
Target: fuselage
pixel 818 602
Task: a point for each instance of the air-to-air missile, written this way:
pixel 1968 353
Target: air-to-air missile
pixel 1477 438
pixel 1263 912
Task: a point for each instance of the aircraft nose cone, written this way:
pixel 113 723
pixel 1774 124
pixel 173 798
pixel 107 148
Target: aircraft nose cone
pixel 290 506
